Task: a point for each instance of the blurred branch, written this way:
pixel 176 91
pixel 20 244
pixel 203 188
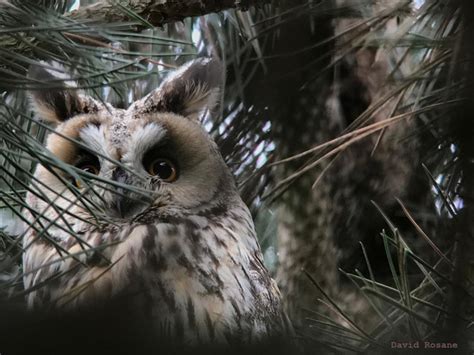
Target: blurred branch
pixel 159 12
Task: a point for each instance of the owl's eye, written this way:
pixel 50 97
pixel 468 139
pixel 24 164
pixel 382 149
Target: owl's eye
pixel 91 166
pixel 163 168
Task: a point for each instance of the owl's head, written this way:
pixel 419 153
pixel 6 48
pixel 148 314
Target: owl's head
pixel 153 156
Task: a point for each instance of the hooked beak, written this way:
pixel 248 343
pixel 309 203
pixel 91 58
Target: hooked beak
pixel 123 203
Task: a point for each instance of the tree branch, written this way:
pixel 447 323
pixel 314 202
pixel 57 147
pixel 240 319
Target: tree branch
pixel 158 12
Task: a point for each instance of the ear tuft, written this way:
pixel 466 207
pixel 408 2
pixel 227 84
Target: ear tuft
pixel 189 90
pixel 56 102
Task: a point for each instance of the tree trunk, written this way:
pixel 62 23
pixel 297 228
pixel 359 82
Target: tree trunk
pixel 320 227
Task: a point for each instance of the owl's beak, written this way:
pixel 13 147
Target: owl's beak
pixel 123 204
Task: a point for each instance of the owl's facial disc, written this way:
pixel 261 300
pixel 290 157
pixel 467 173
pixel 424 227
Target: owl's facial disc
pixel 155 154
pixel 147 163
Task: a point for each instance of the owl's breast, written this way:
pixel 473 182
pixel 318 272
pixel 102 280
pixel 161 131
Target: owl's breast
pixel 202 279
pixel 208 282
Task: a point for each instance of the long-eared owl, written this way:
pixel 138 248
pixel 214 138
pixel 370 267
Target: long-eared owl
pixel 145 206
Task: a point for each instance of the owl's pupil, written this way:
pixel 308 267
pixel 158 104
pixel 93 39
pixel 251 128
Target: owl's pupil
pixel 163 170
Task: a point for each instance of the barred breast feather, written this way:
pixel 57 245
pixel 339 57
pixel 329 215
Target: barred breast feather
pixel 201 277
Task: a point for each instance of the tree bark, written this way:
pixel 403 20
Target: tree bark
pixel 320 227
pixel 158 12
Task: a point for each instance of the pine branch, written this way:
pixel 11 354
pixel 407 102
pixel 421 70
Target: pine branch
pixel 159 12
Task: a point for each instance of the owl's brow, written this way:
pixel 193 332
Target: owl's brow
pixel 146 137
pixel 93 136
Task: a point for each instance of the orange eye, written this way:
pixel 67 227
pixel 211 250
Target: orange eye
pixel 164 169
pixel 90 167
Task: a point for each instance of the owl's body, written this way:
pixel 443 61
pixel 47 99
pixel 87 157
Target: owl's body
pixel 170 233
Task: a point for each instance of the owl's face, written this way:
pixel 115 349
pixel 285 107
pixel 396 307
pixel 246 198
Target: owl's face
pixel 152 157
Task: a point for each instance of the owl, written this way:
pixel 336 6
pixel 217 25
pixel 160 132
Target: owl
pixel 146 207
